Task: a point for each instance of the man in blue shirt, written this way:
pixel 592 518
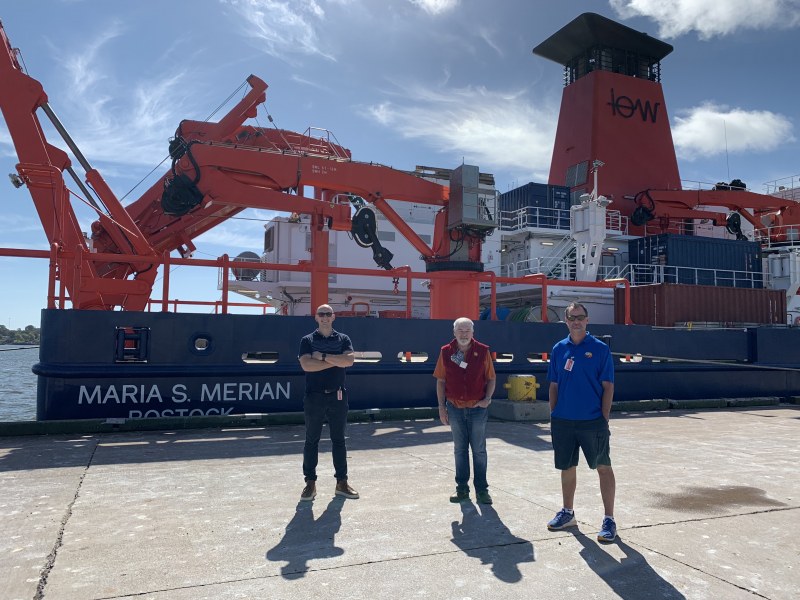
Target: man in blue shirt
pixel 581 376
pixel 324 355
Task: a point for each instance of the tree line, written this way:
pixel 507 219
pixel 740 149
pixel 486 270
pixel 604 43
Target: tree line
pixel 29 335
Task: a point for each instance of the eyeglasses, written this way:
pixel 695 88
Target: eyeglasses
pixel 576 317
pixel 324 314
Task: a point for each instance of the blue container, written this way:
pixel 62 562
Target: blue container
pixel 530 194
pixel 737 262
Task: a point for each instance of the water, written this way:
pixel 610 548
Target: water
pixel 18 383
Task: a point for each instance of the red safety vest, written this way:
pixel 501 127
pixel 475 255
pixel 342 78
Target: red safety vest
pixel 465 387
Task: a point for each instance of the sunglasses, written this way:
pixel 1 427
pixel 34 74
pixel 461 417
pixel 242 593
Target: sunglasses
pixel 576 317
pixel 324 314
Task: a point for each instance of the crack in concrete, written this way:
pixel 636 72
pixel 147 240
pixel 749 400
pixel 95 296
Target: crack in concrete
pixel 51 558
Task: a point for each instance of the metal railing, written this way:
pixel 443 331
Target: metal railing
pixel 787 188
pixel 653 274
pixel 58 296
pixel 553 218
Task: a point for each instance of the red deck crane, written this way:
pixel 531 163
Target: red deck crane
pixel 218 169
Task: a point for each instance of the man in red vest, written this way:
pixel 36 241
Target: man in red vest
pixel 465 381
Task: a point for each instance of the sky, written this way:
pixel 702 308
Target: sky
pixel 398 82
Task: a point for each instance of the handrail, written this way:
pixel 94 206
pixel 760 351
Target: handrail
pixel 58 298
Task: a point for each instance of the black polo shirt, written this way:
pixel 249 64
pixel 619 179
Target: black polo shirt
pixel 335 343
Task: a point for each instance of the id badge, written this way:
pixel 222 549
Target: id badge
pixel 568 365
pixel 339 394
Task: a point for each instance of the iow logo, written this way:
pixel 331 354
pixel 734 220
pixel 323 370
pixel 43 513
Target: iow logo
pixel 627 108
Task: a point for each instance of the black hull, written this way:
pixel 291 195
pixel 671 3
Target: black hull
pixel 84 373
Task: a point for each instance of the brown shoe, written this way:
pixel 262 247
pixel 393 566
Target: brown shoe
pixel 309 492
pixel 343 489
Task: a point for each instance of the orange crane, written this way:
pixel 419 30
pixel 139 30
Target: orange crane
pixel 218 169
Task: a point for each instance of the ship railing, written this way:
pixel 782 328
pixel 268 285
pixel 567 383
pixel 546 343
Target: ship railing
pixel 58 295
pixel 778 237
pixel 787 188
pixel 554 218
pixel 529 217
pixel 616 222
pixel 321 143
pixel 565 267
pixel 655 274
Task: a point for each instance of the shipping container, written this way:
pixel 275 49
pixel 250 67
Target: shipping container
pixel 530 194
pixel 667 304
pixel 697 260
pixel 542 201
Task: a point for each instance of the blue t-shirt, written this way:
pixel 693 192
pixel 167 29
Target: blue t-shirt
pixel 579 371
pixel 335 343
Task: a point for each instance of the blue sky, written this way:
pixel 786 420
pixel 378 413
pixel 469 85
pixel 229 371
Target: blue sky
pixel 399 82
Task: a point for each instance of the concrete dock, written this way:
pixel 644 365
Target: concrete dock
pixel 708 506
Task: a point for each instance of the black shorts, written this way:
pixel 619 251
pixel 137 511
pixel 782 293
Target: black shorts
pixel 592 437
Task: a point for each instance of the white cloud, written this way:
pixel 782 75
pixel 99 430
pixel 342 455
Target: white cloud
pixel 493 130
pixel 283 28
pixel 486 36
pixel 710 129
pixel 101 122
pixel 242 232
pixel 711 17
pixel 436 7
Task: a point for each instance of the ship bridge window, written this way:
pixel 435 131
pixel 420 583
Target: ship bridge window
pixel 412 357
pixel 260 358
pixel 367 356
pixel 577 174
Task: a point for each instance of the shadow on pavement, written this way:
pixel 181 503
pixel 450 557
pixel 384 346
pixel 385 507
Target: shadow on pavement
pixel 306 538
pixel 631 577
pixel 484 536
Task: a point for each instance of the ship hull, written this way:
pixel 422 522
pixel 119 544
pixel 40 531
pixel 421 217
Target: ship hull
pixel 155 365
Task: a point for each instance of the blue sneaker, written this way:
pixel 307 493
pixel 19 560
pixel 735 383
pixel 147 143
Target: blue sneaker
pixel 608 532
pixel 563 518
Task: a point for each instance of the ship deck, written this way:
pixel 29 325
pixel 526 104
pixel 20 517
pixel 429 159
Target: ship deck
pixel 708 506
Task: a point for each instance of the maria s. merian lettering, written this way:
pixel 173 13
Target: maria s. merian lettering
pixel 626 108
pixel 179 393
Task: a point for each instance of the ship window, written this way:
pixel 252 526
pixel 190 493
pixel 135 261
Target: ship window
pixel 412 357
pixel 201 344
pixel 386 236
pixel 367 357
pixel 538 357
pixel 269 239
pixel 576 174
pixel 503 357
pixel 260 358
pixel 425 237
pixel 631 358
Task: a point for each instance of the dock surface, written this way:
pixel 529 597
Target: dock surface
pixel 708 506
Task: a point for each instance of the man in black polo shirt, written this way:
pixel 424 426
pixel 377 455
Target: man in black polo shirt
pixel 324 355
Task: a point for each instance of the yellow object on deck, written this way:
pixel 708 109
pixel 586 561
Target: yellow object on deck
pixel 521 387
